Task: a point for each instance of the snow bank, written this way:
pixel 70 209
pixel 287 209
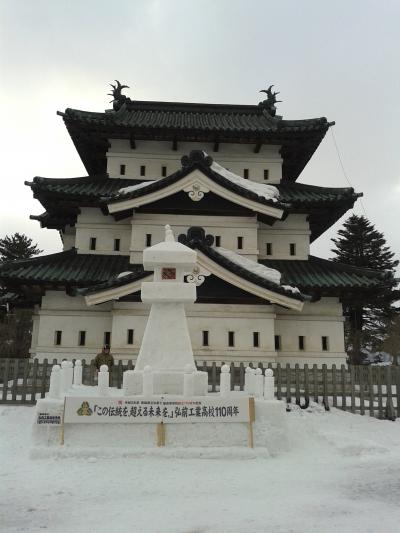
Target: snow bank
pixel 269 192
pixel 339 473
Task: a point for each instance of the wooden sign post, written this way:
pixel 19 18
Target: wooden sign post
pixel 252 417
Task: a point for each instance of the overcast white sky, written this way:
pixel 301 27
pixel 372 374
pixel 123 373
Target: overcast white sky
pixel 336 59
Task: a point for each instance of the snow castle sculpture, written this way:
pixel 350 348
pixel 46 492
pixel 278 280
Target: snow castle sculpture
pixel 166 347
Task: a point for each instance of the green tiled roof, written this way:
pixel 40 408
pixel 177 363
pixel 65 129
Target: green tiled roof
pixel 62 198
pixel 322 274
pixel 193 122
pixel 70 269
pixel 66 268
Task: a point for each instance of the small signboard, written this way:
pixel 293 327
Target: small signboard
pixel 44 418
pixel 155 410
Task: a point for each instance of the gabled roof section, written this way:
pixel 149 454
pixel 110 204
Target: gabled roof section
pixel 194 122
pixel 210 176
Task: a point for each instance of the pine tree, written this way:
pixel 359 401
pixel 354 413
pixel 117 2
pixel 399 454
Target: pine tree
pixel 368 312
pixel 17 246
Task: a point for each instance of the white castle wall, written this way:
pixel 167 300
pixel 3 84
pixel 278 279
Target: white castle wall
pixel 294 229
pixel 154 155
pixel 71 315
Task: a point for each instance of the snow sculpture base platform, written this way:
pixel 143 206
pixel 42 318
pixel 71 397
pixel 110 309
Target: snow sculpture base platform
pixel 171 382
pixel 93 438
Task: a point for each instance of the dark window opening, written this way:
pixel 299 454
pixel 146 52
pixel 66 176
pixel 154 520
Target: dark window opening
pixel 325 346
pixel 240 243
pixel 107 338
pixel 205 338
pixel 246 173
pixel 301 342
pixel 129 339
pixel 256 339
pixel 269 248
pixel 93 241
pixel 266 174
pixel 122 170
pixel 218 241
pixel 142 170
pixel 117 244
pixel 292 248
pixel 57 337
pixel 231 338
pixel 148 239
pixel 82 338
pixel 163 171
pixel 277 342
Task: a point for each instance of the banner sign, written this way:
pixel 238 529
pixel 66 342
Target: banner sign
pixel 155 410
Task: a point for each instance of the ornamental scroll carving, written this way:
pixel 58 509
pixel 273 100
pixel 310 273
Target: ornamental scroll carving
pixel 197 276
pixel 196 191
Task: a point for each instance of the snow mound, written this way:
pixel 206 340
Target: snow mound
pixel 269 192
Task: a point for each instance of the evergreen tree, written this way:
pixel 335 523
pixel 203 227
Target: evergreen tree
pixel 17 246
pixel 368 312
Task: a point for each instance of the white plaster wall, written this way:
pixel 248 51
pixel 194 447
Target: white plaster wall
pixel 295 229
pixel 229 228
pixel 322 318
pixel 70 315
pixel 155 154
pixel 92 223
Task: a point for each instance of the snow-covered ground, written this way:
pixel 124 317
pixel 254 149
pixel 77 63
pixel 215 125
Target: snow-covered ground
pixel 340 473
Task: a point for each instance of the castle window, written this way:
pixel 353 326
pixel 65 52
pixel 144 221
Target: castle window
pixel 256 339
pixel 205 338
pixel 117 244
pixel 292 248
pixel 240 243
pixel 266 174
pixel 269 248
pixel 129 337
pixel 122 170
pixel 246 173
pixel 148 239
pixel 325 343
pixel 142 170
pixel 107 338
pixel 82 338
pixel 301 342
pixel 277 342
pixel 231 338
pixel 57 337
pixel 218 241
pixel 92 243
pixel 163 171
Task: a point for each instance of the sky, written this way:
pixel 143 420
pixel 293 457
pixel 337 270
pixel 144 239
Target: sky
pixel 335 59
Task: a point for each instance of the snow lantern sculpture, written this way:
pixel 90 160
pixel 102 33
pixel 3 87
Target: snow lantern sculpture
pixel 166 345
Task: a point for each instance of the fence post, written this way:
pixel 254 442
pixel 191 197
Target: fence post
pixel 44 378
pixel 15 380
pixel 315 383
pixel 78 373
pixel 288 384
pixel 241 376
pixel 214 377
pixel 343 380
pixel 279 381
pixel 306 385
pixel 362 391
pixel 27 366
pixel 334 386
pixel 34 380
pixel 353 392
pixel 389 410
pixel 5 379
pixel 297 383
pixel 55 382
pixel 396 370
pixel 269 384
pixel 258 383
pixel 232 373
pixel 378 374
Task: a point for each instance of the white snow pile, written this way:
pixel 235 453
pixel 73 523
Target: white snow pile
pixel 338 472
pixel 131 188
pixel 269 192
pixel 270 274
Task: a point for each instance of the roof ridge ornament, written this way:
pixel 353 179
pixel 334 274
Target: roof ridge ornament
pixel 197 157
pixel 196 235
pixel 118 98
pixel 269 103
